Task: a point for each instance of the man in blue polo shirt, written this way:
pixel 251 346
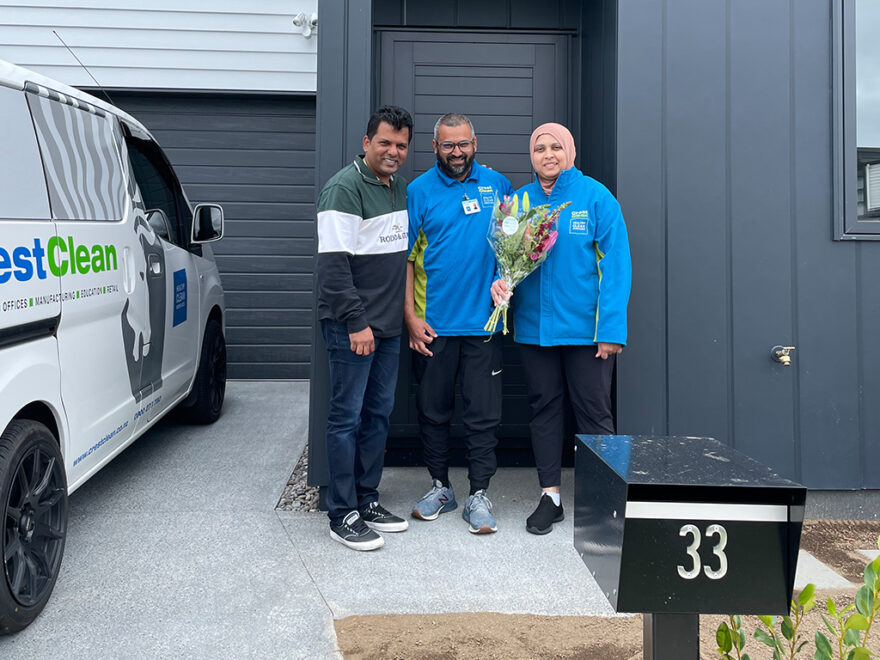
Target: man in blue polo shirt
pixel 449 273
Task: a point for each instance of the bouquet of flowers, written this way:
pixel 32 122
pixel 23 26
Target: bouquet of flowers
pixel 521 240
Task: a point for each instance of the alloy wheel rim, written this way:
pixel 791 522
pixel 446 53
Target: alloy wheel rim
pixel 34 527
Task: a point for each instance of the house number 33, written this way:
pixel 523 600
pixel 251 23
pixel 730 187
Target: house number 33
pixel 694 570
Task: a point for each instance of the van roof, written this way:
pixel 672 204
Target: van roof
pixel 12 75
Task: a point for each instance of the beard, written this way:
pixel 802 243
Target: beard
pixel 456 170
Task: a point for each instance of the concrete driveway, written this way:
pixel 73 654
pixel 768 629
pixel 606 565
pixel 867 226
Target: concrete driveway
pixel 175 549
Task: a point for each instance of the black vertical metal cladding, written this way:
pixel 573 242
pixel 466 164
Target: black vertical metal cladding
pixel 345 70
pixel 677 525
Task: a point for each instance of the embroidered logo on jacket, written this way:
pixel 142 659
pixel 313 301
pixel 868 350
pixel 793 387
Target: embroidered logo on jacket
pixel 580 222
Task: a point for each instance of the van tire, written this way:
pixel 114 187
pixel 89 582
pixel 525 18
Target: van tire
pixel 29 508
pixel 209 388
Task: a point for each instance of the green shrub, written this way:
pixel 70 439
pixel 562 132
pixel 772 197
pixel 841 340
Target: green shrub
pixel 849 627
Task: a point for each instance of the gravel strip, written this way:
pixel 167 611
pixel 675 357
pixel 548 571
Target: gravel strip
pixel 297 495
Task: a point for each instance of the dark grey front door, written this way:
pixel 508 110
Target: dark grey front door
pixel 507 84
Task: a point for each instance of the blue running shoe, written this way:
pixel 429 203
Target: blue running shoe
pixel 476 514
pixel 436 501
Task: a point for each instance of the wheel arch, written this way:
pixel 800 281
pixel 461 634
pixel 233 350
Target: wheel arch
pixel 40 411
pixel 216 314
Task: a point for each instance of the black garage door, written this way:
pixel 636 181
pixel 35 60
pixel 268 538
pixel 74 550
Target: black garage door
pixel 255 155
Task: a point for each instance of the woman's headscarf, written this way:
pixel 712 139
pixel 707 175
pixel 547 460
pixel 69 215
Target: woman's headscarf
pixel 562 135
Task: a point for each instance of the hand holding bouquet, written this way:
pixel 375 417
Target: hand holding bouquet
pixel 521 240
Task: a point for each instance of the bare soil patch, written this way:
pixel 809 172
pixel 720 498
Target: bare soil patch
pixel 836 543
pixel 494 636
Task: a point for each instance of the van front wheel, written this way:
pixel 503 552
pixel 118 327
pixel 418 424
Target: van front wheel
pixel 209 388
pixel 33 497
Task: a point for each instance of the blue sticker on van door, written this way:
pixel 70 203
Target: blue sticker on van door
pixel 179 297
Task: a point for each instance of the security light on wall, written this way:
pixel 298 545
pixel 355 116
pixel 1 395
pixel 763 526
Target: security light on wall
pixel 307 24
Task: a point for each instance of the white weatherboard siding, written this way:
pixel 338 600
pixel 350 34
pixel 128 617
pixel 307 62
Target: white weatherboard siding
pixel 164 44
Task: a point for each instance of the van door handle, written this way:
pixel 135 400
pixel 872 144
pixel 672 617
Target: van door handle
pixel 155 265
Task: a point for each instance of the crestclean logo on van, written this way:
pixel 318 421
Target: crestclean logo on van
pixel 60 257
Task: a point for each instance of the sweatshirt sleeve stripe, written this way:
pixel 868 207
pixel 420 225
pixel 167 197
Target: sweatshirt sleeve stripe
pixel 338 231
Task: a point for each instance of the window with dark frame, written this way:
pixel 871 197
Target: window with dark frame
pixel 159 187
pixel 858 112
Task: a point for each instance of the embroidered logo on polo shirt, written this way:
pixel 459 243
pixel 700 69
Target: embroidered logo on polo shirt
pixel 487 193
pixel 398 233
pixel 580 222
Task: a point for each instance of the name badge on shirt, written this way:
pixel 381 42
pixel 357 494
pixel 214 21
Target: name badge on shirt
pixel 470 206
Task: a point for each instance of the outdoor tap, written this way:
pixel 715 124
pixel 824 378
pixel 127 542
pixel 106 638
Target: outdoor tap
pixel 782 355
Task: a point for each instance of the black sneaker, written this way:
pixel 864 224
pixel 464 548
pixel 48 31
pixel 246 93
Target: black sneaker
pixel 378 517
pixel 547 513
pixel 355 534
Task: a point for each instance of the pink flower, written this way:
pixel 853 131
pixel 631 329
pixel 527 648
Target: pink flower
pixel 534 256
pixel 551 240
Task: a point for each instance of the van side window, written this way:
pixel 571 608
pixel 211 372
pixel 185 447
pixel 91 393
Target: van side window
pixel 159 187
pixel 80 158
pixel 23 194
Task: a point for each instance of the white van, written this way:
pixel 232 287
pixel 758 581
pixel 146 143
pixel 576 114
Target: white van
pixel 111 312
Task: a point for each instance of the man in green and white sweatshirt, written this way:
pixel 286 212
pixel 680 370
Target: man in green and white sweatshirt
pixel 361 269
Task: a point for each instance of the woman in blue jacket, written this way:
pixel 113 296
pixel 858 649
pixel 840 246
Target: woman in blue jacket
pixel 570 315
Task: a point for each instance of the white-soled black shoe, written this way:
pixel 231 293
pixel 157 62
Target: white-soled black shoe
pixel 379 518
pixel 354 533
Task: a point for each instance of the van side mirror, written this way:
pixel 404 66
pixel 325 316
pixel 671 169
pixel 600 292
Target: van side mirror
pixel 207 223
pixel 158 221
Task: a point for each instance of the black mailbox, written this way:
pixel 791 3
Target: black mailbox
pixel 685 525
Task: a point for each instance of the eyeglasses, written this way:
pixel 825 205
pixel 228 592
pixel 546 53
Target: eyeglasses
pixel 447 147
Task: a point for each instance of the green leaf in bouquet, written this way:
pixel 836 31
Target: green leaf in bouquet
pixel 823 646
pixel 516 239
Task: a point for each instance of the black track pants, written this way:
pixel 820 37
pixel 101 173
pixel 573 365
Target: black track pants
pixel 478 365
pixel 550 369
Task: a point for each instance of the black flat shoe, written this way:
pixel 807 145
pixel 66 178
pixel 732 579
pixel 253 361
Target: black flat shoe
pixel 547 513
